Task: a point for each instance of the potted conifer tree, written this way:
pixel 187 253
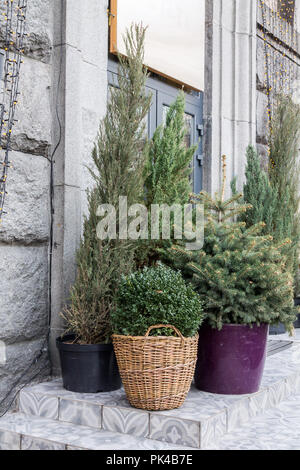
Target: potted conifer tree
pixel 86 352
pixel 274 194
pixel 244 285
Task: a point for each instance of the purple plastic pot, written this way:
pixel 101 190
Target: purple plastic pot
pixel 231 361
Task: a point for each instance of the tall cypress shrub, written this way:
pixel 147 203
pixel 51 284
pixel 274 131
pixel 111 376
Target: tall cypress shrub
pixel 259 193
pixel 167 173
pixel 168 167
pixel 284 174
pixel 119 160
pixel 274 196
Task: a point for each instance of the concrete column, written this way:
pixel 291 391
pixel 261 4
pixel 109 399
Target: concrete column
pixel 79 102
pixel 230 88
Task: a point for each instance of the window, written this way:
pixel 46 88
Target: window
pixel 163 95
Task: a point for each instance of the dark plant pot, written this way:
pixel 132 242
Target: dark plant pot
pixel 89 368
pixel 231 361
pixel 297 323
pixel 277 329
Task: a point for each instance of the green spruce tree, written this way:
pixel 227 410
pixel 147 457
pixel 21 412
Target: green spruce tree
pixel 119 160
pixel 168 166
pixel 274 196
pixel 167 173
pixel 284 174
pixel 240 274
pixel 259 193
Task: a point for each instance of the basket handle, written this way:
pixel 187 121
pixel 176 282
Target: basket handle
pixel 164 326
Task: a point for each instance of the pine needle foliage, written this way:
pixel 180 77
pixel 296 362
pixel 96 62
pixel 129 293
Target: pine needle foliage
pixel 275 195
pixel 167 173
pixel 119 160
pixel 168 166
pixel 284 174
pixel 259 193
pixel 239 274
pixel 120 153
pixel 99 264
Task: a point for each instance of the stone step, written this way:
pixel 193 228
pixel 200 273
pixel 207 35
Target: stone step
pixel 21 432
pixel 202 420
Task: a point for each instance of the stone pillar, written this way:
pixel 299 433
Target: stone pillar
pixel 230 88
pixel 79 102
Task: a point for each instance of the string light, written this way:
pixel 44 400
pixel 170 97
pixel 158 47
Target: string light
pixel 14 19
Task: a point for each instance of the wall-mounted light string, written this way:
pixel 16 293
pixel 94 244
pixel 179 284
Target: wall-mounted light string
pixel 15 18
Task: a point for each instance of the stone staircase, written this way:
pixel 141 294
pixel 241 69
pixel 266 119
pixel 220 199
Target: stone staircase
pixel 50 417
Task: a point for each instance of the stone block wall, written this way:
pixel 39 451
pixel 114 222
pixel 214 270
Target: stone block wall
pixel 24 232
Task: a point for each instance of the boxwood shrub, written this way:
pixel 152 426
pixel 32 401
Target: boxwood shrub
pixel 156 295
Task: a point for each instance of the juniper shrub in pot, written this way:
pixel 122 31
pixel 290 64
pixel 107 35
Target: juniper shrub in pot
pixel 245 286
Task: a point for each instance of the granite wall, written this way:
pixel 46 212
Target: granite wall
pixel 24 232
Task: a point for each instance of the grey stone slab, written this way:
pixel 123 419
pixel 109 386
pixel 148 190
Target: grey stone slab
pixel 75 448
pixel 16 370
pixel 9 440
pixel 213 428
pixel 278 429
pixel 42 428
pixel 27 201
pixel 238 414
pixel 40 432
pixel 258 403
pixel 80 412
pixel 39 26
pixel 126 420
pixel 32 132
pixel 23 297
pixel 30 443
pixel 276 394
pixel 174 430
pixel 38 404
pixel 204 417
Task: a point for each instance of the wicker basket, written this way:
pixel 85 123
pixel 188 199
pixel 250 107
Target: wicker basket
pixel 157 371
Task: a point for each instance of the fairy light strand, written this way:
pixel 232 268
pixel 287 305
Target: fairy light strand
pixel 15 18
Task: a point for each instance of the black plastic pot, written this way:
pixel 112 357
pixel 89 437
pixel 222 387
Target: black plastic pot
pixel 89 368
pixel 277 329
pixel 297 323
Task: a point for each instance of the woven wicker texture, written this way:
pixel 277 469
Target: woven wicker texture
pixel 157 371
